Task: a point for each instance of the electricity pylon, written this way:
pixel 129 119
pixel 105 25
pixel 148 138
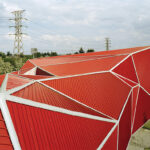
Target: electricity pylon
pixel 18 43
pixel 107 42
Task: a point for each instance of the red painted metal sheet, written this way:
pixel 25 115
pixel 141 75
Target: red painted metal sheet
pixel 42 72
pixel 103 91
pixel 36 77
pixel 57 60
pixel 28 64
pixel 126 69
pixel 23 71
pixel 111 143
pixel 1 79
pixel 42 129
pixel 114 52
pixel 15 72
pixel 142 114
pixel 79 57
pixel 129 82
pixel 87 66
pixel 42 94
pixel 14 81
pixel 134 100
pixel 125 126
pixel 142 64
pixel 5 143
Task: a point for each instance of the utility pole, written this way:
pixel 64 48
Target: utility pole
pixel 18 44
pixel 107 42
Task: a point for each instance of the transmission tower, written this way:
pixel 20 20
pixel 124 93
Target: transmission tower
pixel 18 43
pixel 107 42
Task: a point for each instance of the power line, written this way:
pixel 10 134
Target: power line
pixel 18 18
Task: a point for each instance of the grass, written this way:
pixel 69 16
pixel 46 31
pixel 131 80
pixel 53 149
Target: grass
pixel 147 126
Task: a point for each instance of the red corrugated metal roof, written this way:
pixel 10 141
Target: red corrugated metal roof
pixel 22 71
pixel 39 93
pixel 102 64
pixel 1 79
pixel 142 114
pixel 15 81
pixel 28 64
pixel 103 91
pixel 15 72
pixel 56 60
pixel 36 77
pixel 5 143
pixel 128 73
pixel 112 143
pixel 79 57
pixel 83 56
pixel 134 101
pixel 42 72
pixel 114 52
pixel 127 81
pixel 142 64
pixel 42 129
pixel 125 126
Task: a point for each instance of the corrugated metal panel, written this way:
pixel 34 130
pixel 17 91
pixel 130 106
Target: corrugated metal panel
pixel 43 130
pixel 142 114
pixel 111 143
pixel 42 94
pixel 36 77
pixel 15 72
pixel 125 126
pixel 28 64
pixel 142 63
pixel 103 92
pixel 5 143
pixel 127 70
pixel 14 81
pixel 42 72
pixel 114 52
pixel 79 57
pixel 84 66
pixel 134 101
pixel 1 79
pixel 56 60
pixel 127 81
pixel 22 71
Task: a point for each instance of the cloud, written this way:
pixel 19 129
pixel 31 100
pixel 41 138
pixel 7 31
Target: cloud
pixel 70 24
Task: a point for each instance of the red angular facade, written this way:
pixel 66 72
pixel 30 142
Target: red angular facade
pixel 75 102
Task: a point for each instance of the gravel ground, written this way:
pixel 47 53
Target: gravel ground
pixel 140 140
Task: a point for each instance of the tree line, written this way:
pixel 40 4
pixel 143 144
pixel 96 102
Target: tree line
pixel 9 63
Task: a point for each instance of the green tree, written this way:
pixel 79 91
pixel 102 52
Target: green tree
pixel 81 50
pixel 5 67
pixel 90 50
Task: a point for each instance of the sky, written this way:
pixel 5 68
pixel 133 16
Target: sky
pixel 66 25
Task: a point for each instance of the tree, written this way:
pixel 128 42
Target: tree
pixel 81 50
pixel 9 54
pixel 5 67
pixel 54 54
pixel 76 53
pixel 90 50
pixel 2 55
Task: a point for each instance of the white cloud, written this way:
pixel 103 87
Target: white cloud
pixel 57 39
pixel 75 23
